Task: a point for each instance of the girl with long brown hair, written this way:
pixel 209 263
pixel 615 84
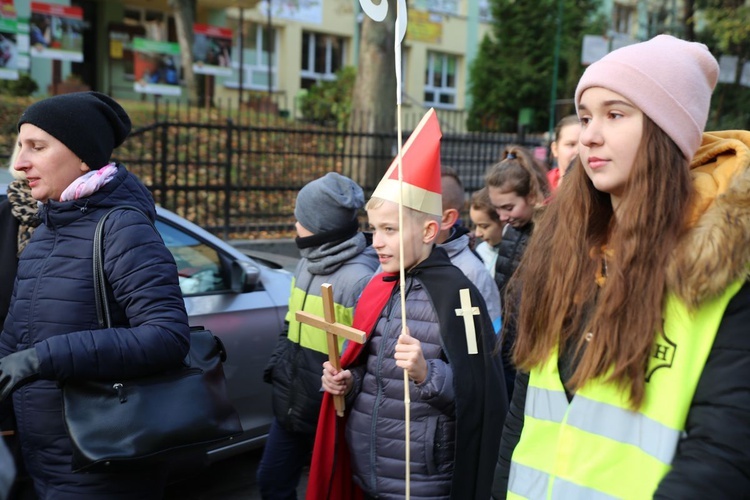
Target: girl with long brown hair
pixel 634 302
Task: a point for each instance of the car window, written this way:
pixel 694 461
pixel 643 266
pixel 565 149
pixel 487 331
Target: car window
pixel 5 176
pixel 198 265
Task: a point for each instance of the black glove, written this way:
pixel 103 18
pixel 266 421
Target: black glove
pixel 18 369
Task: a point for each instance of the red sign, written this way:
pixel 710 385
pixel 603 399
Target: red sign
pixel 212 31
pixel 56 10
pixel 7 9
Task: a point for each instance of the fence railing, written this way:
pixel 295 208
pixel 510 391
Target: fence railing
pixel 237 172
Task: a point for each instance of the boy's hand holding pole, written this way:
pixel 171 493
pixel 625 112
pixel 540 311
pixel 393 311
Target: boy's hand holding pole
pixel 410 357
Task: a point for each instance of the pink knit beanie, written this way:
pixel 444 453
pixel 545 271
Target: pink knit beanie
pixel 668 79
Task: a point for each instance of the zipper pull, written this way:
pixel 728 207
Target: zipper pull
pixel 120 392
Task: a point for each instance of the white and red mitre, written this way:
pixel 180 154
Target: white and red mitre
pixel 422 189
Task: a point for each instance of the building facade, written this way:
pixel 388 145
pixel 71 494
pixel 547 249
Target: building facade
pixel 287 46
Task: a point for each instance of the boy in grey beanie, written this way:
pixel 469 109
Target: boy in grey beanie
pixel 334 251
pixel 329 206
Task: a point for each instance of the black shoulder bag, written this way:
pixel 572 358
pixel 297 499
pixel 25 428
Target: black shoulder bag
pixel 120 425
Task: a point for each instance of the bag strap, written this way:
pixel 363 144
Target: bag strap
pixel 100 280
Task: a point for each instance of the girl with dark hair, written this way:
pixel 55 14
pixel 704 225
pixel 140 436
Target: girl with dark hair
pixel 634 301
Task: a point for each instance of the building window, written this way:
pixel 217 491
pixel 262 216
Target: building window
pixel 322 56
pixel 621 18
pixel 440 80
pixel 257 43
pixel 159 26
pixel 485 11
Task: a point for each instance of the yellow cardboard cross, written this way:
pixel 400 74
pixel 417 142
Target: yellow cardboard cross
pixel 467 311
pixel 332 329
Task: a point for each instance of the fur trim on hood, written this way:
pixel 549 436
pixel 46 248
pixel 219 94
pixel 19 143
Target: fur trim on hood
pixel 716 250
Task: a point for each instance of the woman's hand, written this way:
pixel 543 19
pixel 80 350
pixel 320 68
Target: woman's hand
pixel 338 383
pixel 17 369
pixel 409 356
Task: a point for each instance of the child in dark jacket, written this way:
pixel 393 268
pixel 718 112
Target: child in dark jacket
pixel 457 393
pixel 333 251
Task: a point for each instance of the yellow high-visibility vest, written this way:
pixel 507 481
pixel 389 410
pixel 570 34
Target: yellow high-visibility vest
pixel 309 336
pixel 596 446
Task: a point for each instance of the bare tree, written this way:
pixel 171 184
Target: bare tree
pixel 373 116
pixel 184 15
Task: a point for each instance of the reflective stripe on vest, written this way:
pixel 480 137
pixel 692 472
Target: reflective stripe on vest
pixel 533 484
pixel 623 426
pixel 306 335
pixel 597 446
pixel 546 404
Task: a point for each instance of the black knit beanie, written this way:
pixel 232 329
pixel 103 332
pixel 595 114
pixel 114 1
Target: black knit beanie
pixel 90 124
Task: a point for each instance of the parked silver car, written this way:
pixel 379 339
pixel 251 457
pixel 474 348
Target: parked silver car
pixel 243 301
pixel 5 178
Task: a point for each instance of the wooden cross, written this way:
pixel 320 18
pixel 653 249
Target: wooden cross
pixel 332 329
pixel 467 311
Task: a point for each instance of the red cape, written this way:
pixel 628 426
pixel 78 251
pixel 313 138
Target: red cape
pixel 330 473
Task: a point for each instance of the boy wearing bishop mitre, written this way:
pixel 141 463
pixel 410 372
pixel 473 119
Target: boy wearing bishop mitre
pixel 458 399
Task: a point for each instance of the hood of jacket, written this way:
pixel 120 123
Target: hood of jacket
pixel 716 250
pixel 456 242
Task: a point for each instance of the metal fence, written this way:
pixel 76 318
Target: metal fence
pixel 237 172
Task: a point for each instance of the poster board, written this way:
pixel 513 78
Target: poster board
pixel 212 50
pixel 157 67
pixel 7 8
pixel 56 32
pixel 425 27
pixel 8 49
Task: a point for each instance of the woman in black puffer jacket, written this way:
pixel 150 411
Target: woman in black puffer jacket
pixel 51 332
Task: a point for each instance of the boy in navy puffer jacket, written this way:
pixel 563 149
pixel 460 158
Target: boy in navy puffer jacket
pixel 457 397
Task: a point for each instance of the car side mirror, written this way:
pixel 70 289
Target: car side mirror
pixel 245 276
